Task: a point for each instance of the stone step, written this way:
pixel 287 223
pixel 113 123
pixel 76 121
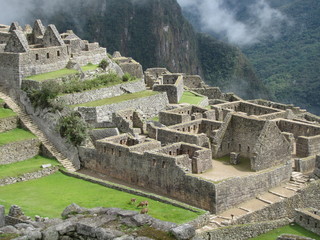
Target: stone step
pixel 27 121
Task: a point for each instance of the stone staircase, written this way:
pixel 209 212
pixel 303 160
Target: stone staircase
pixel 274 195
pixel 27 121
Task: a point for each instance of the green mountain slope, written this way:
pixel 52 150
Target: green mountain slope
pixel 290 65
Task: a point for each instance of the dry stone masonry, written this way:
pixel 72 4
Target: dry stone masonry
pixel 245 161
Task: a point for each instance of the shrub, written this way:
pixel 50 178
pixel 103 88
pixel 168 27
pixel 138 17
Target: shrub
pixel 44 96
pixel 74 128
pixel 103 64
pixel 126 77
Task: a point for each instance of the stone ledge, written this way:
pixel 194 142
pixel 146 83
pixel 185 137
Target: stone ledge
pixel 28 176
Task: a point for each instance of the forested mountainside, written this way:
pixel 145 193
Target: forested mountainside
pixel 288 64
pixel 155 33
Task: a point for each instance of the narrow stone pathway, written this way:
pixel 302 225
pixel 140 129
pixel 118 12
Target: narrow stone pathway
pixel 274 195
pixel 27 121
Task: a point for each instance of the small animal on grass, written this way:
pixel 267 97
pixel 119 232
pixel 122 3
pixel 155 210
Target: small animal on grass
pixel 133 200
pixel 143 203
pixel 144 211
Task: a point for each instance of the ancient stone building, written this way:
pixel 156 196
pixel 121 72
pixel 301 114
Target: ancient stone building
pixel 30 51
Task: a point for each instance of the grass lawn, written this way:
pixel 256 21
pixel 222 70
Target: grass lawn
pixel 15 135
pixel 4 113
pixel 191 98
pixel 52 75
pixel 1 100
pixel 122 98
pixel 27 166
pixel 48 196
pixel 289 229
pixel 89 67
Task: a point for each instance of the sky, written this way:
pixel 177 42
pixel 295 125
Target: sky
pixel 215 17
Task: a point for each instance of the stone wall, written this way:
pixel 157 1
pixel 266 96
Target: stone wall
pixel 47 122
pixel 305 165
pixel 292 237
pixel 193 81
pixel 19 151
pixel 9 69
pixel 157 172
pixel 149 106
pixel 306 198
pixel 2 216
pixel 8 123
pixel 108 92
pixel 210 92
pixel 308 218
pixel 298 128
pixel 28 176
pixel 174 88
pixel 236 190
pixel 242 232
pixel 308 146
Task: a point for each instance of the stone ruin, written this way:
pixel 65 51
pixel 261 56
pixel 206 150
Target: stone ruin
pixel 177 156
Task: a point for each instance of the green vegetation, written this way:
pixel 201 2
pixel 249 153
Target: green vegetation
pixel 122 98
pixel 103 64
pixel 60 191
pixel 15 135
pixel 192 98
pixel 45 96
pixel 89 67
pixel 4 113
pixel 9 236
pixel 53 75
pixel 289 64
pixel 27 166
pixel 226 66
pixel 74 128
pixel 289 229
pixel 1 100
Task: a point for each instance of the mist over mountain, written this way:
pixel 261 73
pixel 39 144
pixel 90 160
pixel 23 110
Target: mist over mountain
pixel 286 56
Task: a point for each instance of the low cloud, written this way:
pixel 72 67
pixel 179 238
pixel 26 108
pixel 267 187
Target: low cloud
pixel 264 21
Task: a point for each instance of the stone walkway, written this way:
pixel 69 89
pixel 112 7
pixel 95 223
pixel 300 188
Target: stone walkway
pixel 274 195
pixel 27 121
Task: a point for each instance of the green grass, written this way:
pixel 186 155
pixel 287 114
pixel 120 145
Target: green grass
pixel 289 229
pixel 5 113
pixel 1 100
pixel 122 98
pixel 89 67
pixel 48 196
pixel 27 166
pixel 53 75
pixel 15 135
pixel 191 98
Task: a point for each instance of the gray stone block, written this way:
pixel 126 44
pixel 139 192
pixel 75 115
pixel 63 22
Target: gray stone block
pixel 2 216
pixel 9 229
pixel 106 233
pixel 50 234
pixel 184 232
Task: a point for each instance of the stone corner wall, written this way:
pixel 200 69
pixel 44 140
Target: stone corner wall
pixel 19 151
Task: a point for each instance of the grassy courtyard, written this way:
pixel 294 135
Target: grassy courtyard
pixel 52 75
pixel 48 196
pixel 27 166
pixel 89 67
pixel 289 229
pixel 122 98
pixel 191 98
pixel 5 113
pixel 15 135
